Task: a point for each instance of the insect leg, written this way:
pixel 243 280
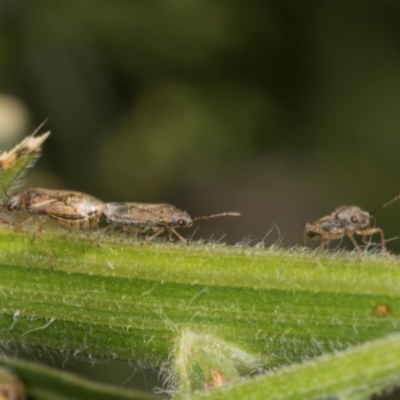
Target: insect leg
pixel 19 226
pixel 37 235
pixel 365 240
pixel 93 239
pixel 327 237
pixel 38 232
pixel 357 247
pixel 172 231
pixel 321 245
pixel 158 232
pixel 371 231
pixel 304 238
pixel 47 248
pixel 75 230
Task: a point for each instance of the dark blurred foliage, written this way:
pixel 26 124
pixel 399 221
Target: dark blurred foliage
pixel 281 110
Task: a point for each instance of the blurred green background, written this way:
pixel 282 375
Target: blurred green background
pixel 281 110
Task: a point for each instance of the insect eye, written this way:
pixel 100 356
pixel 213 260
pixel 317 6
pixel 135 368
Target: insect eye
pixel 354 219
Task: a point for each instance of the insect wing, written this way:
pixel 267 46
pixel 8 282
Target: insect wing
pixel 72 208
pixel 83 215
pixel 134 214
pixel 329 224
pixel 60 209
pixel 39 201
pixel 40 205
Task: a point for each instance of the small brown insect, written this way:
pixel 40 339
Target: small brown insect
pixel 74 209
pixel 345 221
pixel 30 146
pixel 142 217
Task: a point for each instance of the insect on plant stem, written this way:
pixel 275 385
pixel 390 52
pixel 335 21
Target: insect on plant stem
pixel 144 217
pixel 74 209
pixel 68 208
pixel 345 221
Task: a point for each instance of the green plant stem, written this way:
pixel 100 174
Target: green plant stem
pixel 133 300
pixel 353 374
pixel 46 383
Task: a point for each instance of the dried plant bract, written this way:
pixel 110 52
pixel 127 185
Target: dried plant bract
pixel 14 163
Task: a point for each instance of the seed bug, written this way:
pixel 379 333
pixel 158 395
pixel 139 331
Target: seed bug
pixel 142 217
pixel 345 221
pixel 73 209
pixel 69 208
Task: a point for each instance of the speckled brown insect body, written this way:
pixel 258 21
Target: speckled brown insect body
pixel 345 221
pixel 69 208
pixel 143 217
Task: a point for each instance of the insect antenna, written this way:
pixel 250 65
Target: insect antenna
pixel 225 214
pixel 386 204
